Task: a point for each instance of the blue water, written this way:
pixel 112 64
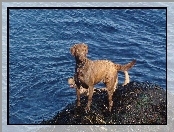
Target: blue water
pixel 40 60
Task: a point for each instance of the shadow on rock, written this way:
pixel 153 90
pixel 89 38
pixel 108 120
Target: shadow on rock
pixel 135 103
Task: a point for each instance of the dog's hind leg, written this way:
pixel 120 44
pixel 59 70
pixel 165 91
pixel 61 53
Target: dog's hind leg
pixel 111 87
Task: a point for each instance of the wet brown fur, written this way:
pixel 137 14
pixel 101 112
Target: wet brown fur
pixel 89 72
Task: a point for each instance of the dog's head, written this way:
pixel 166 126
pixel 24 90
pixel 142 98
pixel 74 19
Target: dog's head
pixel 79 51
pixel 71 82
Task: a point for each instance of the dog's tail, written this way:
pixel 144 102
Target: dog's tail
pixel 125 67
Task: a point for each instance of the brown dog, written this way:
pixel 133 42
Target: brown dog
pixel 88 73
pixel 83 91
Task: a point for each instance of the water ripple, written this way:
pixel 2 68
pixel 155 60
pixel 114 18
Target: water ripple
pixel 40 59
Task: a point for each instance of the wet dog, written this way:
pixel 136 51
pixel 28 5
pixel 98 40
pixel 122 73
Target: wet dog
pixel 89 72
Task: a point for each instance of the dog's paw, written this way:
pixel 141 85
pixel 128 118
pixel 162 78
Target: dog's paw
pixel 110 108
pixel 87 109
pixel 124 84
pixel 78 103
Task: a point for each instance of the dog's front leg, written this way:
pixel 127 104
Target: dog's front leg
pixel 91 90
pixel 78 96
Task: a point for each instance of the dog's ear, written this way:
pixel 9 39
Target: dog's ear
pixel 86 48
pixel 72 49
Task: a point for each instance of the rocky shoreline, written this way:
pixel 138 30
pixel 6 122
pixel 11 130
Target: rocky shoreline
pixel 134 103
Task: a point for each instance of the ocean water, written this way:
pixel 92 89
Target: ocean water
pixel 40 61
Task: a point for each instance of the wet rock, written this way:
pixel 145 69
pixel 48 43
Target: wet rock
pixel 134 103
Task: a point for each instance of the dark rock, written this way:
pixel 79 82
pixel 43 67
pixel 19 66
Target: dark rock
pixel 135 103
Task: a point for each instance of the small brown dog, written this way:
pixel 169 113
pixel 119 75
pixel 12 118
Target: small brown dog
pixel 83 91
pixel 88 73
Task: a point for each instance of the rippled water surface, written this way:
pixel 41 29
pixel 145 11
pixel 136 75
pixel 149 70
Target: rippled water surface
pixel 40 61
